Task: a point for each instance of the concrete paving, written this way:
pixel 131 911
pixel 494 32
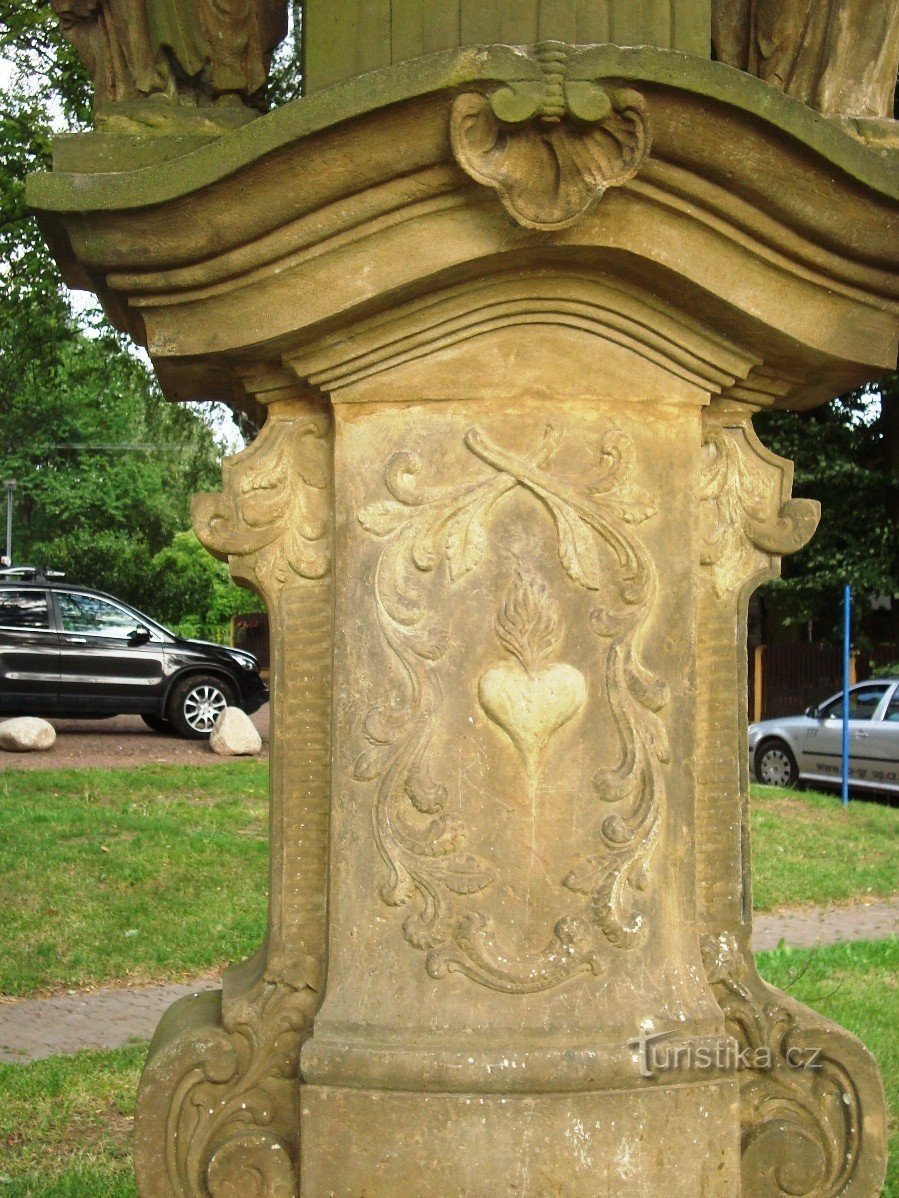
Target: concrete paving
pixel 36 1028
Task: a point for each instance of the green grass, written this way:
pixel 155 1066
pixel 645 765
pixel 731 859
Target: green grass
pixel 807 849
pixel 857 986
pixel 160 872
pixel 156 872
pixel 65 1123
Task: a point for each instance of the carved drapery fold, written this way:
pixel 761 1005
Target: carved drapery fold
pixel 812 1119
pixel 551 144
pixel 194 52
pixel 839 56
pixel 218 1106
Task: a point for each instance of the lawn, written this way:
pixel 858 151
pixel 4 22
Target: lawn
pixel 857 986
pixel 157 872
pixel 806 848
pixel 78 1109
pixel 160 872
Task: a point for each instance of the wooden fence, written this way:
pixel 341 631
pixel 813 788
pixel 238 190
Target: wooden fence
pixel 785 679
pixel 250 632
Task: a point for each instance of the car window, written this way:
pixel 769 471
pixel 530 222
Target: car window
pixel 24 609
pixel 87 613
pixel 863 702
pixel 892 711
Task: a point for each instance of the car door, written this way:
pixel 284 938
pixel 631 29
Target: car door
pixel 101 667
pixel 29 653
pixel 876 746
pixel 824 741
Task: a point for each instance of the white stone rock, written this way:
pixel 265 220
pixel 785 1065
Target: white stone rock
pixel 26 735
pixel 235 735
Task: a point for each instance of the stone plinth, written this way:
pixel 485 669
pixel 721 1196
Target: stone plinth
pixel 348 39
pixel 508 315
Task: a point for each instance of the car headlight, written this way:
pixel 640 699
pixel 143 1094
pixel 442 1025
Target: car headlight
pixel 248 663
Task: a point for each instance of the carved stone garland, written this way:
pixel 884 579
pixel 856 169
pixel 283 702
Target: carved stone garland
pixel 550 146
pixel 422 846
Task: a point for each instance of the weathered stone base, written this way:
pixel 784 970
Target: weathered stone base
pixel 576 1145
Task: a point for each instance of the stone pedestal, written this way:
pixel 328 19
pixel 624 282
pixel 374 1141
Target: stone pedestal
pixel 507 314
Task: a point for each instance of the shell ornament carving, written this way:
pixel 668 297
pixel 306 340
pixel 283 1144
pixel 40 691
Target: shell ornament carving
pixel 551 146
pixel 443 532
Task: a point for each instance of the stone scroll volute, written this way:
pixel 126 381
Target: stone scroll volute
pixel 222 1091
pixel 807 1132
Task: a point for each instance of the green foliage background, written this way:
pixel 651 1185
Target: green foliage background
pixel 113 517
pixel 105 467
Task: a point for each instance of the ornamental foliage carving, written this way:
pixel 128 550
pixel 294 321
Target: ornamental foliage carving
pixel 231 1117
pixel 746 519
pixel 802 1114
pixel 273 520
pixel 436 536
pixel 550 146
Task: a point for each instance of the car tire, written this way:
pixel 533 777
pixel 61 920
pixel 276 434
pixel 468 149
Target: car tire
pixel 196 703
pixel 157 723
pixel 775 764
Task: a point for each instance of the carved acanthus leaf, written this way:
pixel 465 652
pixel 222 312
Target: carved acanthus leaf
pixel 550 149
pixel 808 1089
pixel 427 863
pixel 224 1102
pixel 272 520
pixel 746 521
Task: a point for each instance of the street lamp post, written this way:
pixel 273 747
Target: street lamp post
pixel 10 484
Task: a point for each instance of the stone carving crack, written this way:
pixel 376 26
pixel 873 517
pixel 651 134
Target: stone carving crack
pixel 551 145
pixel 422 846
pixel 801 1123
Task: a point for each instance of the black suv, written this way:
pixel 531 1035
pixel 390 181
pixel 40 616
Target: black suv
pixel 71 651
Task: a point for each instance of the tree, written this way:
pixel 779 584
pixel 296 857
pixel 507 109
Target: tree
pixel 105 467
pixel 846 457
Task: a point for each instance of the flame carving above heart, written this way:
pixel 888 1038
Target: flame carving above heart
pixel 528 698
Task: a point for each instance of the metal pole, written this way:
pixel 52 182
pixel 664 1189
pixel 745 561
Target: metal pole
pixel 10 484
pixel 847 624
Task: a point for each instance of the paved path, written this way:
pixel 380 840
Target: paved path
pixel 46 1027
pixel 808 926
pixel 111 1018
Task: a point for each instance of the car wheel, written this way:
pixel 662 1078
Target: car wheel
pixel 196 704
pixel 157 723
pixel 775 764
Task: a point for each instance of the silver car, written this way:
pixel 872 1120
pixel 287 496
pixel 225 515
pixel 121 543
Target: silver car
pixel 810 746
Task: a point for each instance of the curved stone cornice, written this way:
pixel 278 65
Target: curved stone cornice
pixel 451 70
pixel 721 220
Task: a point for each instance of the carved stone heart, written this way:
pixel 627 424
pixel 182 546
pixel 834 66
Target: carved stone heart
pixel 531 708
